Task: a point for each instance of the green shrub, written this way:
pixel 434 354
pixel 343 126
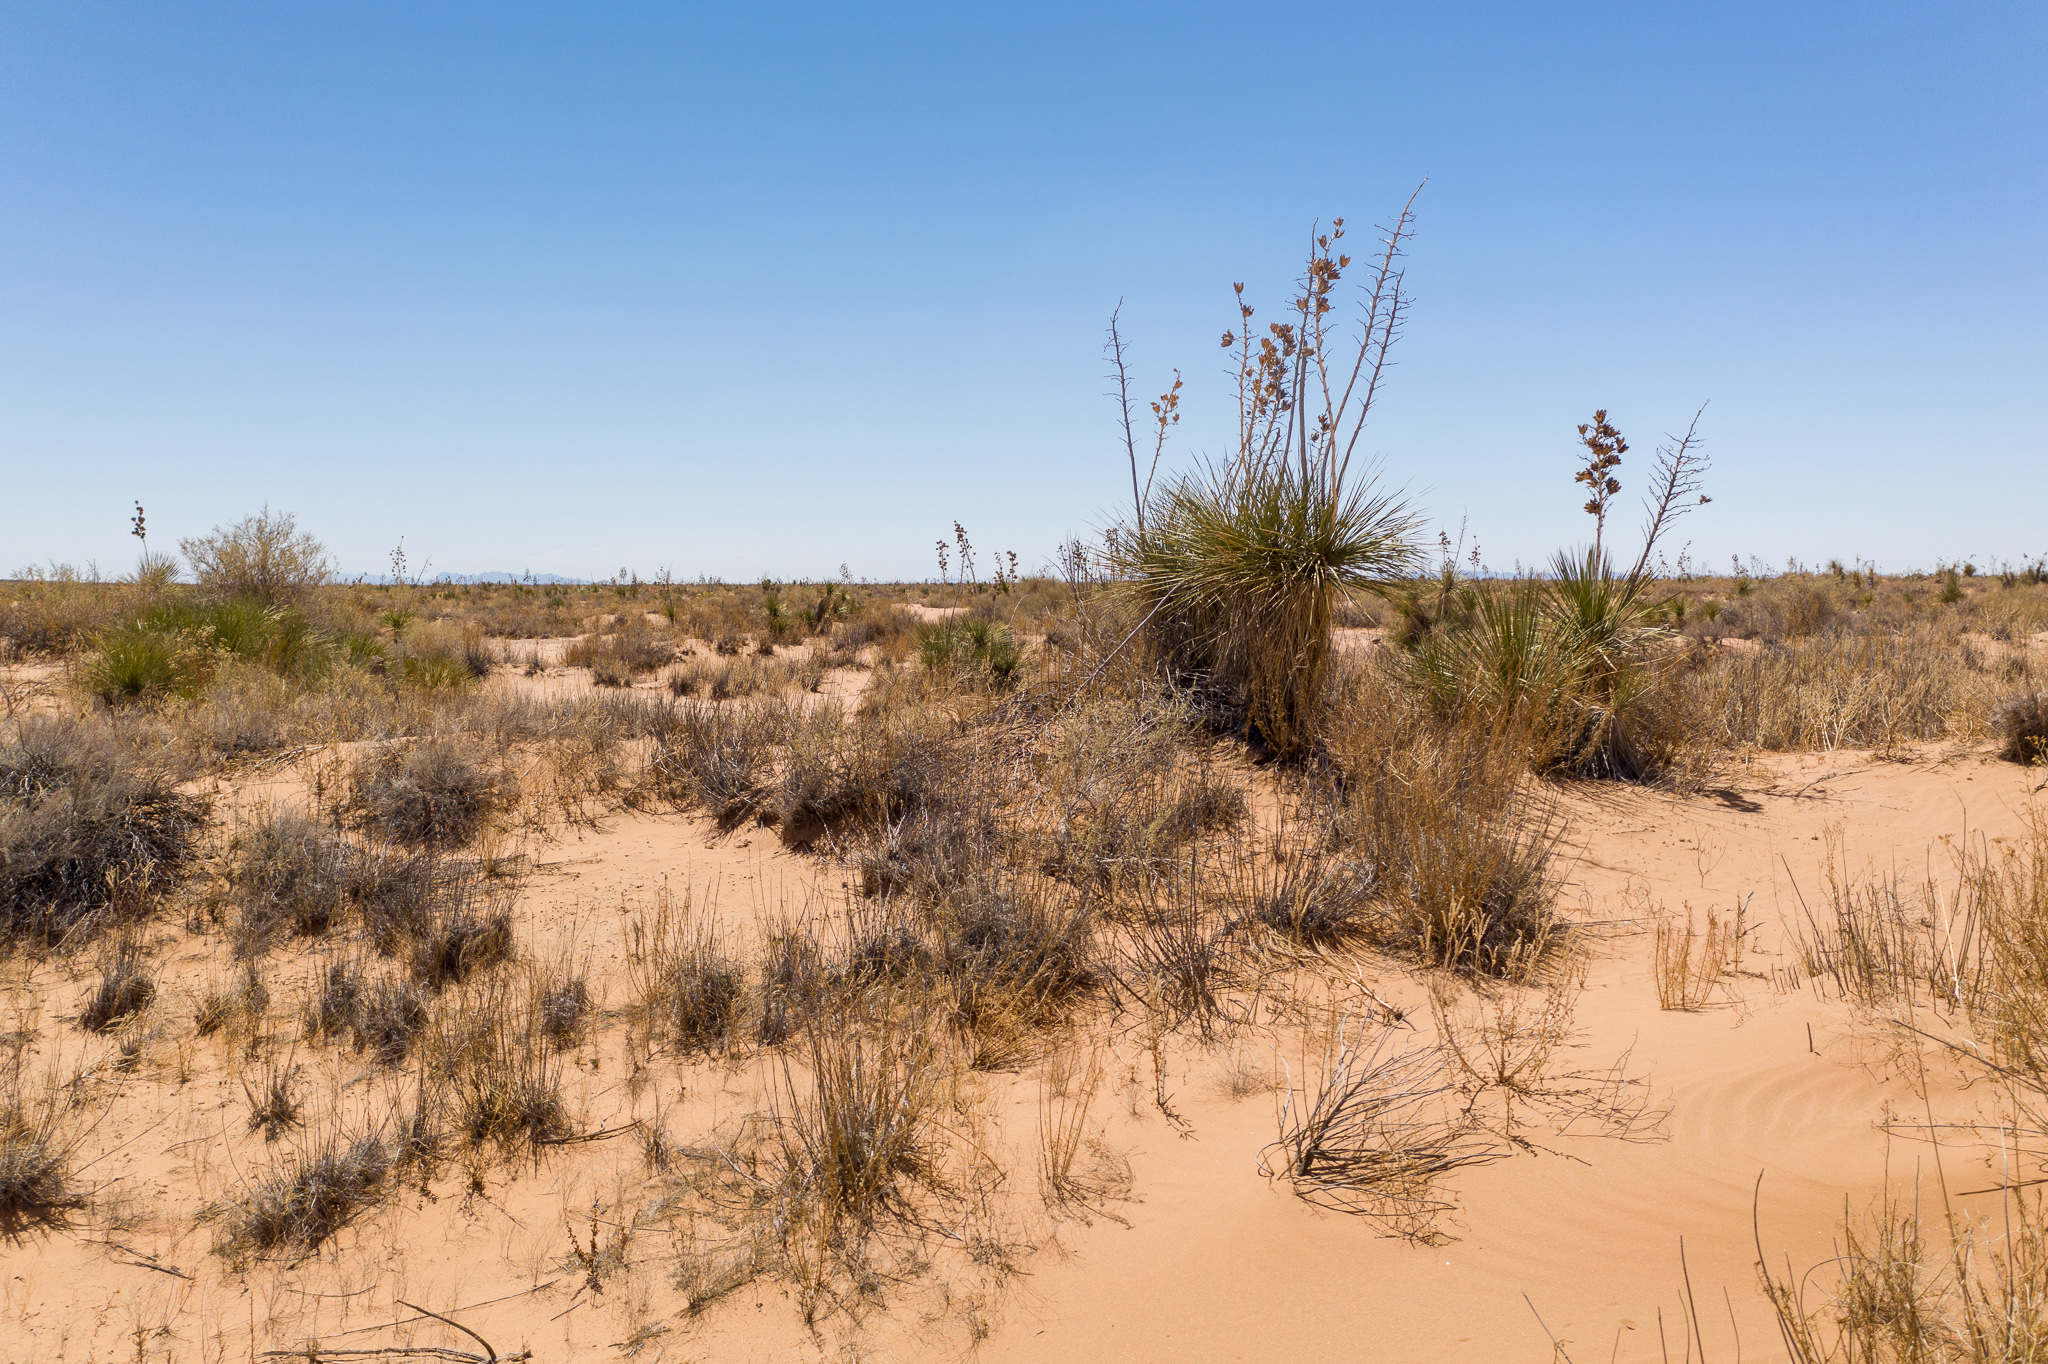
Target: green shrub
pixel 970 648
pixel 175 644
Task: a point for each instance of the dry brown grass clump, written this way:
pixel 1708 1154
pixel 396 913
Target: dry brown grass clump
pixel 1824 692
pixel 1900 1296
pixel 126 987
pixel 691 993
pixel 383 1016
pixel 287 877
pixel 2020 724
pixel 428 794
pixel 305 1201
pixel 717 758
pixel 36 1149
pixel 890 630
pixel 1314 900
pixel 632 649
pixel 856 1147
pixel 503 1080
pixel 1690 962
pixel 90 835
pixel 244 1003
pixel 1458 844
pixel 1014 954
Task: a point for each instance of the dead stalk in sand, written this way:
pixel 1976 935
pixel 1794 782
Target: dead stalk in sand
pixel 1690 962
pixel 1503 1048
pixel 1375 1135
pixel 1076 1171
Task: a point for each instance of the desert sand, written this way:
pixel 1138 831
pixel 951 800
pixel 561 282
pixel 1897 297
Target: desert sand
pixel 1765 1115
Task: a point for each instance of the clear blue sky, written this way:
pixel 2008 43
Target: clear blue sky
pixel 738 289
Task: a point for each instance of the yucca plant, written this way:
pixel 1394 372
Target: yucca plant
pixel 1569 659
pixel 1237 567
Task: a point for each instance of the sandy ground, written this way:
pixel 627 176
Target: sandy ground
pixel 1776 1110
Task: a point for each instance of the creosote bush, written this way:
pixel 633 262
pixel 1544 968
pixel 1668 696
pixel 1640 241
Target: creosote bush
pixel 264 557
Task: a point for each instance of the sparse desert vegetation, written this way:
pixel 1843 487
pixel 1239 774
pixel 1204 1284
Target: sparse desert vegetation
pixel 807 967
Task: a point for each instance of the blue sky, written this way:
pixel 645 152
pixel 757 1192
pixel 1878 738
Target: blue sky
pixel 753 288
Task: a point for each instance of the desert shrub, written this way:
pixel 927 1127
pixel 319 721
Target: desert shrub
pixel 126 987
pixel 794 981
pixel 1204 803
pixel 1015 952
pixel 88 835
pixel 1861 689
pixel 429 794
pixel 336 1000
pixel 286 877
pixel 889 629
pixel 1467 889
pixel 716 759
pixel 440 656
pixel 177 643
pixel 461 941
pixel 2020 723
pixel 883 945
pixel 1891 1293
pixel 723 679
pixel 52 615
pixel 504 1082
pixel 36 1149
pixel 274 1107
pixel 132 659
pixel 562 1003
pixel 629 651
pixel 1573 662
pixel 690 993
pixel 1375 1133
pixel 384 1017
pixel 300 1205
pixel 782 622
pixel 242 1002
pixel 969 649
pixel 818 786
pixel 922 853
pixel 246 709
pixel 1315 901
pixel 858 1139
pixel 399 895
pixel 1139 822
pixel 1460 858
pixel 444 918
pixel 265 557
